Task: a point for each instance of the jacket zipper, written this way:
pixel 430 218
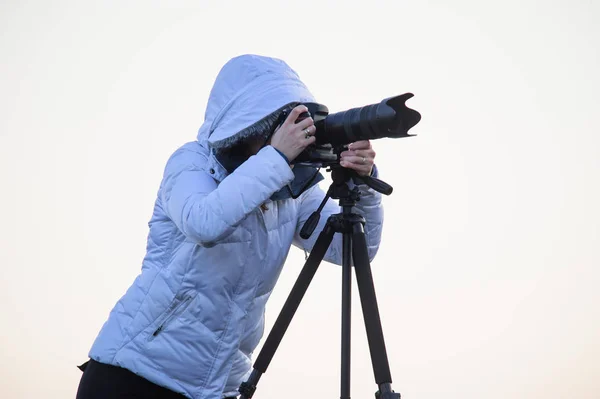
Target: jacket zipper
pixel 173 314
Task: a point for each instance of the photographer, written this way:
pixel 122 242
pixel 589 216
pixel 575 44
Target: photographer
pixel 222 226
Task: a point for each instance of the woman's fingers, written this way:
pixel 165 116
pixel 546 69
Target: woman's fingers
pixel 295 114
pixel 306 123
pixel 360 157
pixel 359 153
pixel 303 127
pixel 357 164
pixel 357 160
pixel 360 145
pixel 292 138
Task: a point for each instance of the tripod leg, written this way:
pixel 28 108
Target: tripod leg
pixel 346 315
pixel 366 290
pixel 289 309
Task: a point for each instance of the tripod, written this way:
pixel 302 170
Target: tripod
pixel 354 247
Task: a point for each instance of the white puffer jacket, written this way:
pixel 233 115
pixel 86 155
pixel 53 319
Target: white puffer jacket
pixel 194 315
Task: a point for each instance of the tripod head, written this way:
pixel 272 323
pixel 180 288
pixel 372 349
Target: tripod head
pixel 340 189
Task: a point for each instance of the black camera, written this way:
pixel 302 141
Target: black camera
pixel 390 118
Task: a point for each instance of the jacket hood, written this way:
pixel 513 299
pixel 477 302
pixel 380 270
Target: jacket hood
pixel 246 97
pixel 244 102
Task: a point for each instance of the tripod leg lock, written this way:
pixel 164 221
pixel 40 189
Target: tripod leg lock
pixel 386 392
pixel 387 395
pixel 247 390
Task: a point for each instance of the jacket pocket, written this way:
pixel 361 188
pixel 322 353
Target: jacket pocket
pixel 172 313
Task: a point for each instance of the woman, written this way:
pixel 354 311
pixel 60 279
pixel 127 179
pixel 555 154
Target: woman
pixel 222 226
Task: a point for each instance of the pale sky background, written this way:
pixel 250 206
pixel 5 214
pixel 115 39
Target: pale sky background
pixel 488 276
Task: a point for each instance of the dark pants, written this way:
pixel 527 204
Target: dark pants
pixel 102 381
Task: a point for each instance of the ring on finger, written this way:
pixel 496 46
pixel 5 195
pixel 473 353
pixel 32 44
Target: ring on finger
pixel 364 160
pixel 306 133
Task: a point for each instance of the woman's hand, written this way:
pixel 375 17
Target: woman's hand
pixel 360 156
pixel 292 138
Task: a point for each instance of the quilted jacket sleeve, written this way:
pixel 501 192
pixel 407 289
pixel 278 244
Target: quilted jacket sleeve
pixel 206 212
pixel 369 207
